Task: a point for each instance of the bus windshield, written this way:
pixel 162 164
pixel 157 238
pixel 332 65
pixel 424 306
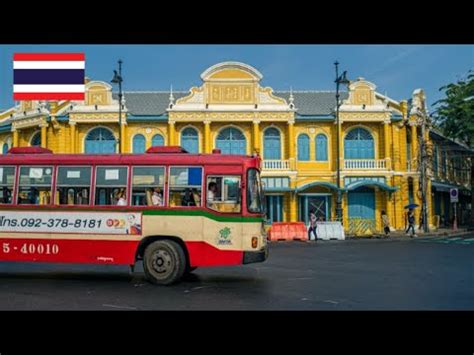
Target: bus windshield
pixel 254 192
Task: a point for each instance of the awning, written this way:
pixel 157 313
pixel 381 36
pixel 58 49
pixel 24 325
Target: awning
pixel 318 183
pixel 445 187
pixel 372 183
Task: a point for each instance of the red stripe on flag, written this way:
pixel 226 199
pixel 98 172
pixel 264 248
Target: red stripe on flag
pixel 48 57
pixel 48 96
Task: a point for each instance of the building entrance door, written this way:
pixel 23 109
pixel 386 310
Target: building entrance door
pixel 320 204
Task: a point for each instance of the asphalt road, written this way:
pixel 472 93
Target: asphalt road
pixel 332 275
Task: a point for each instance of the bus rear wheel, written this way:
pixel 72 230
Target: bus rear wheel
pixel 164 262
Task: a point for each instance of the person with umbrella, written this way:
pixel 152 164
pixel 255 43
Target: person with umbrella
pixel 411 219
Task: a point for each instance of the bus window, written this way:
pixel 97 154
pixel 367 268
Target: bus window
pixel 35 185
pixel 7 177
pixel 111 186
pixel 185 186
pixel 223 193
pixel 147 186
pixel 73 185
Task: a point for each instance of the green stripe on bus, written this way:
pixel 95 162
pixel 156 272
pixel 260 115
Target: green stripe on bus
pixel 202 214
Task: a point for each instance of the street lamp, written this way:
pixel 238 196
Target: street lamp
pixel 339 80
pixel 117 79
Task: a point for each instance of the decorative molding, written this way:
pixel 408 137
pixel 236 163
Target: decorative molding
pixel 196 96
pixel 197 116
pixel 95 117
pixel 266 97
pixel 27 122
pixel 231 65
pixel 364 116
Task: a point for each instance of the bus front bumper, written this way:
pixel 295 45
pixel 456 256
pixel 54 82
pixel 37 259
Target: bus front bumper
pixel 256 256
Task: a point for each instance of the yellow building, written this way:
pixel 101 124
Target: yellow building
pixel 294 132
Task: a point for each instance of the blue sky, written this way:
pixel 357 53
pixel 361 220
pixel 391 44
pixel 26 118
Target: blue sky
pixel 395 69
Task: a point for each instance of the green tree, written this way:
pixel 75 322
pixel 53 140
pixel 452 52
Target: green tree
pixel 455 112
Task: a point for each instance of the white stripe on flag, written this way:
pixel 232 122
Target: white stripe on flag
pixel 49 65
pixel 49 88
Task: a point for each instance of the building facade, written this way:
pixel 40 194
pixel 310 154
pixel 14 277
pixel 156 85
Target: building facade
pixel 294 132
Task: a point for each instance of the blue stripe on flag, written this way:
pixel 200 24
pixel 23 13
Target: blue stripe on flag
pixel 48 76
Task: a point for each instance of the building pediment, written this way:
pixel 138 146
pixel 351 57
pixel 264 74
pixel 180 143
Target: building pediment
pixel 230 86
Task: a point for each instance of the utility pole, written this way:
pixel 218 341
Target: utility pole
pixel 423 171
pixel 117 79
pixel 342 79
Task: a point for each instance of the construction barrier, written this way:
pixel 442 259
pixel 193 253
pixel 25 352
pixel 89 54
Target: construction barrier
pixel 287 231
pixel 330 230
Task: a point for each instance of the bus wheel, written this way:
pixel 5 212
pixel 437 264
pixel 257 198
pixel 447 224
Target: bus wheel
pixel 164 262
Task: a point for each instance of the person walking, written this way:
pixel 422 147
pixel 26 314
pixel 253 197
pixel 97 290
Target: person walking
pixel 411 223
pixel 312 225
pixel 386 223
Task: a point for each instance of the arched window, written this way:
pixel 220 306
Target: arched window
pixel 36 140
pixel 190 140
pixel 139 145
pixel 157 141
pixel 359 144
pixel 5 148
pixel 321 147
pixel 100 141
pixel 303 147
pixel 231 141
pixel 272 144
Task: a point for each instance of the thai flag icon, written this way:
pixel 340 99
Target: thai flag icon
pixel 48 76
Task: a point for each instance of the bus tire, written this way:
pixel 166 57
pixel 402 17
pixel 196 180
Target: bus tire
pixel 164 262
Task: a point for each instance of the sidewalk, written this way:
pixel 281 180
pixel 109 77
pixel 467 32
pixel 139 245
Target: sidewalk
pixel 442 232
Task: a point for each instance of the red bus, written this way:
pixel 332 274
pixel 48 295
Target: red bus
pixel 174 210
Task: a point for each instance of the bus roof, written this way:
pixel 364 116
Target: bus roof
pixel 37 156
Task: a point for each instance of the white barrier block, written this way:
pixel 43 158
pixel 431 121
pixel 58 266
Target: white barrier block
pixel 330 230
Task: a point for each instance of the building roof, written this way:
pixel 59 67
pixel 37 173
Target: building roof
pixel 313 103
pixel 149 103
pixel 155 103
pixel 436 134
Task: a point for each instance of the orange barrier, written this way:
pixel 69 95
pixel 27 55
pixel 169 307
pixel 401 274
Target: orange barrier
pixel 287 231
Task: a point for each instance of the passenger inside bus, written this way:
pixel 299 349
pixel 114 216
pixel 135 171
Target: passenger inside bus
pixel 7 177
pixel 185 187
pixel 72 195
pixel 157 198
pixel 35 185
pixel 120 198
pixel 111 185
pixel 147 186
pixel 6 195
pixel 188 199
pixel 211 192
pixel 223 193
pixel 73 185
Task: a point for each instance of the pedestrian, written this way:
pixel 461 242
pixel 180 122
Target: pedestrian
pixel 411 223
pixel 386 223
pixel 312 225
